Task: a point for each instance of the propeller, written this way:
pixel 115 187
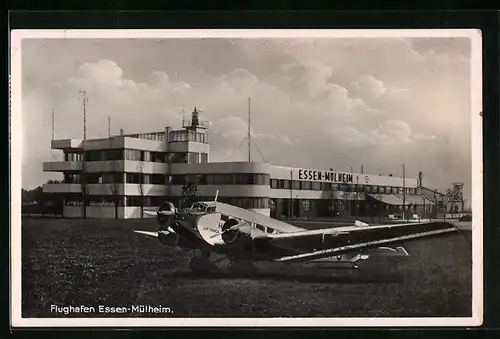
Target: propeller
pixel 235 227
pixel 165 213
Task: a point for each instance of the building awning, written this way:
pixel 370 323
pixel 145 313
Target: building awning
pixel 397 199
pixel 389 199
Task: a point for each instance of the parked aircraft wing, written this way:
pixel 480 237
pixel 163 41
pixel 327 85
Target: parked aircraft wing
pixel 354 243
pixel 148 233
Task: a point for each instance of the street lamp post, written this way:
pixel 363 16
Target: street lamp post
pixel 404 194
pixel 423 205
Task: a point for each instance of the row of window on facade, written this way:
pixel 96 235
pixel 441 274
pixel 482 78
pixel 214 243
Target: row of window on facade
pixel 174 136
pixel 226 179
pixel 154 201
pixel 137 155
pixel 157 136
pixel 162 179
pixel 188 135
pixel 328 186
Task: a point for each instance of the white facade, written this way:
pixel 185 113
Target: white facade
pixel 143 170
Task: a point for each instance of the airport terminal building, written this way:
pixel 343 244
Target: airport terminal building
pixel 118 176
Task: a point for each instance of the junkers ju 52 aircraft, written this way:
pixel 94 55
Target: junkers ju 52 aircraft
pixel 241 237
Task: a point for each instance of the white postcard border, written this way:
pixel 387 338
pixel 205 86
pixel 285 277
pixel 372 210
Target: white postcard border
pixel 15 179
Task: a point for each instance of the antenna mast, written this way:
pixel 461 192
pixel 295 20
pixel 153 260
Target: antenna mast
pixel 109 126
pixel 53 125
pixel 84 114
pixel 248 133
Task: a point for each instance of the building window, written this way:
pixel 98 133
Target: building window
pixel 316 186
pixel 284 184
pixel 295 184
pixel 73 156
pixel 112 178
pixel 134 201
pixel 325 186
pixel 305 185
pixel 251 203
pixel 223 179
pixel 71 178
pixel 158 157
pixel 274 183
pixel 132 154
pixel 177 179
pixel 146 156
pixel 193 158
pixel 178 157
pixel 133 178
pixel 204 158
pixel 93 156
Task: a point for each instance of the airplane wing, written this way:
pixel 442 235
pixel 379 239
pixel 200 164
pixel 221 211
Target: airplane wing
pixel 324 243
pixel 147 233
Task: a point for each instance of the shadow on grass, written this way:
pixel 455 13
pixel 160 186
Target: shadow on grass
pixel 302 278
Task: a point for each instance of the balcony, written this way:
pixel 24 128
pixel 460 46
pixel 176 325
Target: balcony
pixel 66 144
pixel 62 166
pixel 62 188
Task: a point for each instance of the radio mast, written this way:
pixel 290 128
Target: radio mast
pixel 84 99
pixel 248 133
pixel 109 126
pixel 404 193
pixel 53 124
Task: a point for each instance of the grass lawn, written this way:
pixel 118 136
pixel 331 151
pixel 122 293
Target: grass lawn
pixel 103 262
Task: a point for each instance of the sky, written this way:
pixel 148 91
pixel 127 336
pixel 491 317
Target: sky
pixel 315 103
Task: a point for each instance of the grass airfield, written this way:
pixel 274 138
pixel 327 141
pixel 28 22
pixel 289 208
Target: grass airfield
pixel 103 262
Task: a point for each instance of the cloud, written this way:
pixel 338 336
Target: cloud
pixel 391 132
pixel 314 102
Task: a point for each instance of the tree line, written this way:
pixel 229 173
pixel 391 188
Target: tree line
pixel 36 201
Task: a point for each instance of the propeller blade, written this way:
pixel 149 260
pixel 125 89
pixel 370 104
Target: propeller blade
pixel 165 212
pixel 151 213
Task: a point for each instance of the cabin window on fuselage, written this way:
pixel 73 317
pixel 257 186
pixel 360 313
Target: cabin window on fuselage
pixel 260 227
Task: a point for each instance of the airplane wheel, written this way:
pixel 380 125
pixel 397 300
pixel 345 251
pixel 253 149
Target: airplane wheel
pixel 201 265
pixel 241 267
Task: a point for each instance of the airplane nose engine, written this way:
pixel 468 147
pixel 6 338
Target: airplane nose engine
pixel 165 214
pixel 168 238
pixel 236 233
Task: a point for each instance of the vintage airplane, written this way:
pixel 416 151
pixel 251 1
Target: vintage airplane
pixel 244 237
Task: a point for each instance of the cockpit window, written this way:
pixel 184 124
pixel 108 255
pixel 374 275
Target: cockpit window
pixel 198 206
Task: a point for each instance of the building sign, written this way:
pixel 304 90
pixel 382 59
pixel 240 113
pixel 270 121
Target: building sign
pixel 325 176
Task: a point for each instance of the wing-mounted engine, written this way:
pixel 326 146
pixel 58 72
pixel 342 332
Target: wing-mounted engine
pixel 165 214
